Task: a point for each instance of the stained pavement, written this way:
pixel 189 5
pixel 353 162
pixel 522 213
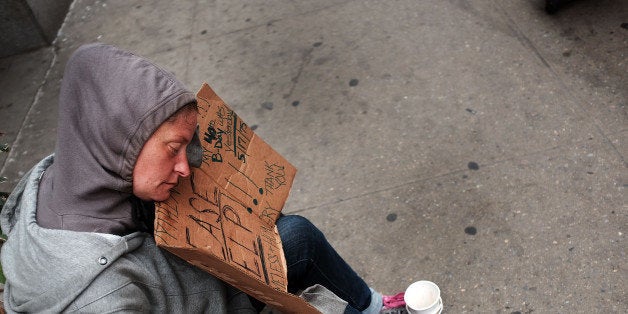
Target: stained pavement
pixel 478 144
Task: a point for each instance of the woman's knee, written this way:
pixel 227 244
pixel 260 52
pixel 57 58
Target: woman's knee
pixel 298 230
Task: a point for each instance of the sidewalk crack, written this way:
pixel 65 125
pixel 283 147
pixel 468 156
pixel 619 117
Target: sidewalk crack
pixel 307 56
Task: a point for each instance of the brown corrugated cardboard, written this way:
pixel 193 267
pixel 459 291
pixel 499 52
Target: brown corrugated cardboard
pixel 222 218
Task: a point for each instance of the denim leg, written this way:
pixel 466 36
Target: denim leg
pixel 312 260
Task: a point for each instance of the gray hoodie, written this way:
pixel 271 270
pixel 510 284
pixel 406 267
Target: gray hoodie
pixel 72 243
pixel 110 103
pixel 52 271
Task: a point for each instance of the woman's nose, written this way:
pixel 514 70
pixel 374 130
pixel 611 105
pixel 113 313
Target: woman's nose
pixel 182 167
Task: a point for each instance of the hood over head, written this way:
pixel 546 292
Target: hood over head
pixel 110 103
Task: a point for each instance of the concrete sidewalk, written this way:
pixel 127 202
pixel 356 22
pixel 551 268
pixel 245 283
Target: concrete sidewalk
pixel 478 144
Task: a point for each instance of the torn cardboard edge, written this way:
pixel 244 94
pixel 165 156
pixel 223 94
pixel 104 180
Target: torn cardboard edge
pixel 222 217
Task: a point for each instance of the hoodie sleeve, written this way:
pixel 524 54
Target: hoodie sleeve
pixel 126 299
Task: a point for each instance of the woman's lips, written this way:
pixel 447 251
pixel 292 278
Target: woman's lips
pixel 172 183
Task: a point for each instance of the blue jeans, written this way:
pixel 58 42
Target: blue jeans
pixel 312 260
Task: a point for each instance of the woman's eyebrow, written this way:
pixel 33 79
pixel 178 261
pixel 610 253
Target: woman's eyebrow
pixel 179 138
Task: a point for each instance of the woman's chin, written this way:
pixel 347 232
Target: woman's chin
pixel 158 196
pixel 161 197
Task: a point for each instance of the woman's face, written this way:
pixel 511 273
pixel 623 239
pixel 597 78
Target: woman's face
pixel 163 159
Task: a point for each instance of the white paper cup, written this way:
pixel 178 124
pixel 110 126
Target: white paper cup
pixel 423 297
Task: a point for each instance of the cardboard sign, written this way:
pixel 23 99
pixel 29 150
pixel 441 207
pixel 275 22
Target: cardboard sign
pixel 222 217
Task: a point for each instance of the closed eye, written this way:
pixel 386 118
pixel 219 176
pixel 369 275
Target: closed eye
pixel 175 148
